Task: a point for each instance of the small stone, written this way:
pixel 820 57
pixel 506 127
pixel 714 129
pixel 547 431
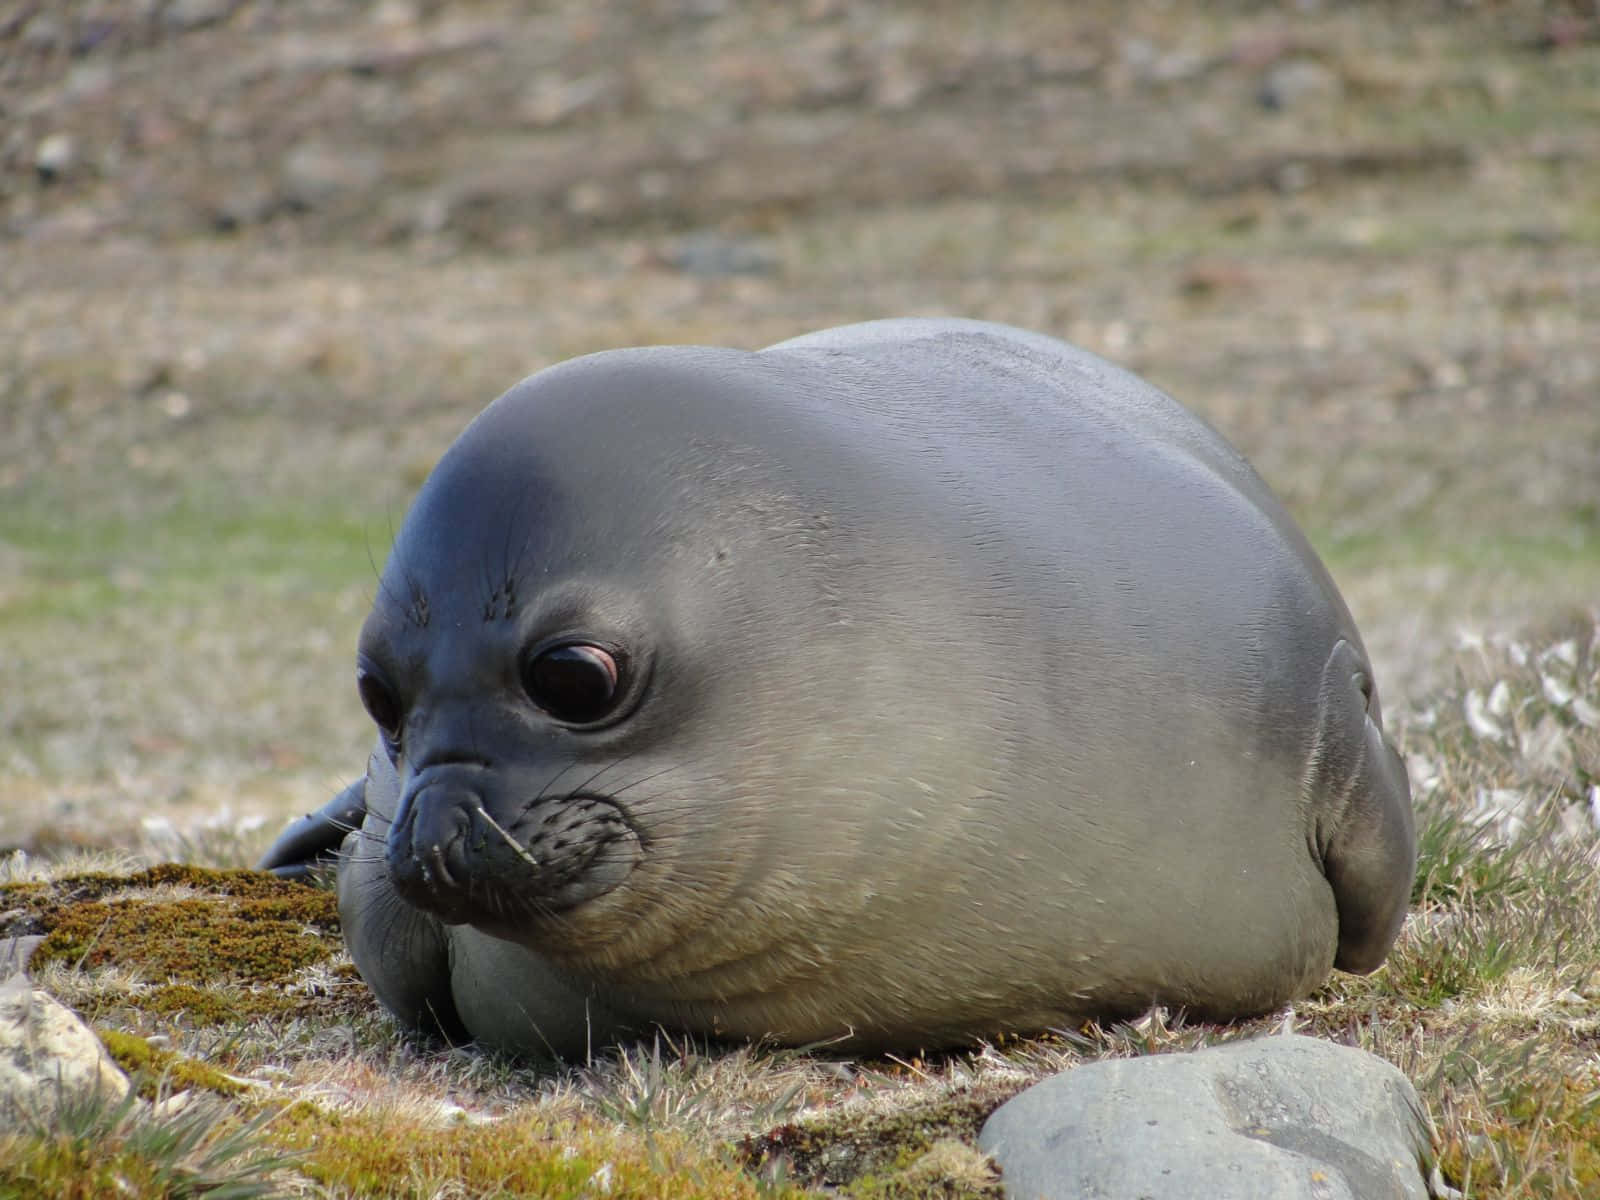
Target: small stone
pixel 396 14
pixel 55 157
pixel 588 199
pixel 1557 690
pixel 711 254
pixel 1294 177
pixel 316 172
pixel 245 203
pixel 1499 702
pixel 1516 651
pixel 175 1104
pixel 552 101
pixel 1296 82
pixel 42 34
pixel 898 86
pixel 1506 809
pixel 1424 774
pixel 196 14
pixel 47 1053
pixel 1564 652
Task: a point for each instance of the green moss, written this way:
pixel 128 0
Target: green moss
pixel 1540 1136
pixel 155 1070
pixel 209 534
pixel 883 1154
pixel 378 1154
pixel 220 956
pixel 216 1005
pixel 248 928
pixel 947 1169
pixel 195 940
pixel 39 899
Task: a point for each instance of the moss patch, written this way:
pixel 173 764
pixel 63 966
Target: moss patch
pixel 151 1067
pixel 887 1154
pixel 215 946
pixel 388 1154
pixel 244 927
pixel 215 1005
pixel 196 939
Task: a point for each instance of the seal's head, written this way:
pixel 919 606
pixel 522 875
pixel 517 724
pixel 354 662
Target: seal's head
pixel 623 663
pixel 504 663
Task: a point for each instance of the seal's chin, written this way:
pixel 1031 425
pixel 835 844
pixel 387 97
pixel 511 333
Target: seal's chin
pixel 449 856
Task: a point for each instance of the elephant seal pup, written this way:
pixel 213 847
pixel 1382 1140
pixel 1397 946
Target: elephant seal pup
pixel 901 684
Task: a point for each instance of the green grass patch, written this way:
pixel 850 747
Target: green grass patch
pixel 1574 542
pixel 75 566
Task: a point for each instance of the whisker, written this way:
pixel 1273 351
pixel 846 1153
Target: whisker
pixel 520 851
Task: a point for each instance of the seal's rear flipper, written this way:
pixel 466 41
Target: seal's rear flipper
pixel 313 840
pixel 1366 833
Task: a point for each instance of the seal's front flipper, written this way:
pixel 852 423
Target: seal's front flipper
pixel 313 840
pixel 1366 833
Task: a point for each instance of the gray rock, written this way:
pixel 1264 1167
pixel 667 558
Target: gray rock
pixel 47 1053
pixel 1296 82
pixel 1278 1118
pixel 55 156
pixel 710 254
pixel 42 34
pixel 196 14
pixel 317 172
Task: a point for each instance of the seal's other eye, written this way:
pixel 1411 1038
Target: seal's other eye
pixel 577 682
pixel 379 701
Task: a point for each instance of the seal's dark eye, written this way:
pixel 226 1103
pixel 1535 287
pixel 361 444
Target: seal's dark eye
pixel 379 701
pixel 577 682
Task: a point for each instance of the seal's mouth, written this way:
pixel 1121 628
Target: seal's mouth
pixel 449 855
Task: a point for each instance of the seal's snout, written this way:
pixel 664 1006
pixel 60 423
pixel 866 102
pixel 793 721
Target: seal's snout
pixel 429 849
pixel 466 847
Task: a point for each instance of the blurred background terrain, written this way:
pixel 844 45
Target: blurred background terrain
pixel 261 261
